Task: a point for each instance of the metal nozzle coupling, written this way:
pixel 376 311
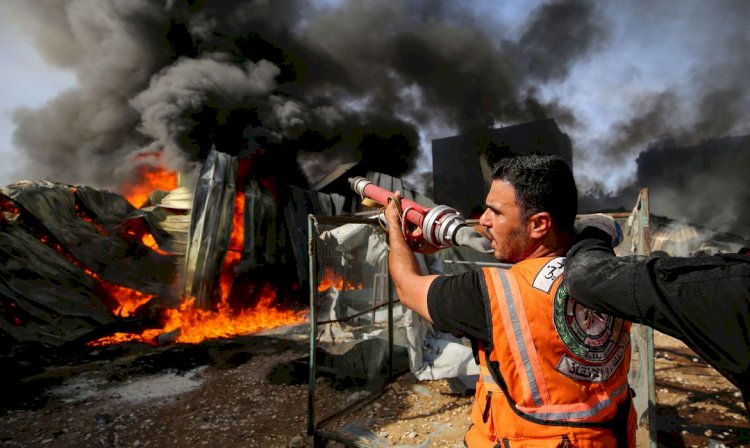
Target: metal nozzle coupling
pixel 441 225
pixel 358 184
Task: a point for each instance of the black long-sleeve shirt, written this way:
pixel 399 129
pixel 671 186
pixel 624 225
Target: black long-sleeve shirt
pixel 703 301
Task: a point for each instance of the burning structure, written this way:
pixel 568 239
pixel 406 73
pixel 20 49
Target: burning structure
pixel 290 89
pixel 79 263
pixel 118 273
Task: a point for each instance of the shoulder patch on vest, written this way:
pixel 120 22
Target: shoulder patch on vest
pixel 596 341
pixel 549 273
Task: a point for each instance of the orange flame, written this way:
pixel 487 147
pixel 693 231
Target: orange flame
pixel 195 325
pixel 332 280
pixel 233 255
pixel 148 240
pixel 151 178
pixel 129 299
pixel 9 210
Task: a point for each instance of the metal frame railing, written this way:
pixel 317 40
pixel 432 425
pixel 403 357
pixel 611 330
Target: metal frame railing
pixel 315 427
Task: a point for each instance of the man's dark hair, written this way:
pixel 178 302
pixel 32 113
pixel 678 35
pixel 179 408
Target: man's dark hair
pixel 543 183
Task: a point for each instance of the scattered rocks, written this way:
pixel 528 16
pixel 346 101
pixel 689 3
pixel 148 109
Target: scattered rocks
pixel 297 442
pixel 239 406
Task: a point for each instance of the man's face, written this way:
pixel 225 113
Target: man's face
pixel 502 218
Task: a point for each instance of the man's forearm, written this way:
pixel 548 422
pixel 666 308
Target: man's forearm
pixel 411 285
pixel 402 262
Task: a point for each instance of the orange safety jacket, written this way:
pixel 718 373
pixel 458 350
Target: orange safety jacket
pixel 555 372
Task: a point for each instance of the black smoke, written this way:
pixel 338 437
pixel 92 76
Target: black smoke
pixel 316 82
pixel 697 111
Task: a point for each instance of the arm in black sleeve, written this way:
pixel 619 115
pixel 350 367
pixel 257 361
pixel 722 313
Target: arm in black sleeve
pixel 703 301
pixel 599 279
pixel 456 305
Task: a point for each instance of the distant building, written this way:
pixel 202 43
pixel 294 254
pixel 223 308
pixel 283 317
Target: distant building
pixel 461 164
pixel 678 167
pixel 706 184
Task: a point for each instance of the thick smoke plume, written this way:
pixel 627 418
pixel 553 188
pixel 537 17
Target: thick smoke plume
pixel 316 82
pixel 709 102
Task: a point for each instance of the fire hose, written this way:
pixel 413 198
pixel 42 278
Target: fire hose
pixel 442 226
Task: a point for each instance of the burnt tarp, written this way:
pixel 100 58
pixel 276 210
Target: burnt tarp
pixel 59 246
pixel 45 298
pixel 210 226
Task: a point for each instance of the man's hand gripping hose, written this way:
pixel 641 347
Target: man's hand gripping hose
pixel 440 226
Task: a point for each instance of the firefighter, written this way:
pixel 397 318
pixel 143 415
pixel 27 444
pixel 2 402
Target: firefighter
pixel 702 301
pixel 552 372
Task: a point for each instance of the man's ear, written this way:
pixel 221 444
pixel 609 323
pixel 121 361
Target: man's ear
pixel 539 225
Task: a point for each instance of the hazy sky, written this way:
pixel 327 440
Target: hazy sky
pixel 25 81
pixel 654 70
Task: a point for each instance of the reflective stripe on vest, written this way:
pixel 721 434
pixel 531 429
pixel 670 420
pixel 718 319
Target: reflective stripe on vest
pixel 519 336
pixel 586 413
pixel 491 385
pixel 536 401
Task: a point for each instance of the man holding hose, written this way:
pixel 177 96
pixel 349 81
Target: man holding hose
pixel 552 372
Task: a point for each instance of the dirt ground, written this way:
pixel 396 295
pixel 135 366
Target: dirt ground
pixel 250 392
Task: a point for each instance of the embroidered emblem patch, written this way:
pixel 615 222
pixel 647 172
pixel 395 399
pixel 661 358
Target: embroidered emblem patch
pixel 596 340
pixel 549 273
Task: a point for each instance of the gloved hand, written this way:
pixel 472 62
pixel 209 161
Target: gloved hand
pixel 601 222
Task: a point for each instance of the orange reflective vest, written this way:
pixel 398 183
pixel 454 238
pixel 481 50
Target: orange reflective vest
pixel 555 373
